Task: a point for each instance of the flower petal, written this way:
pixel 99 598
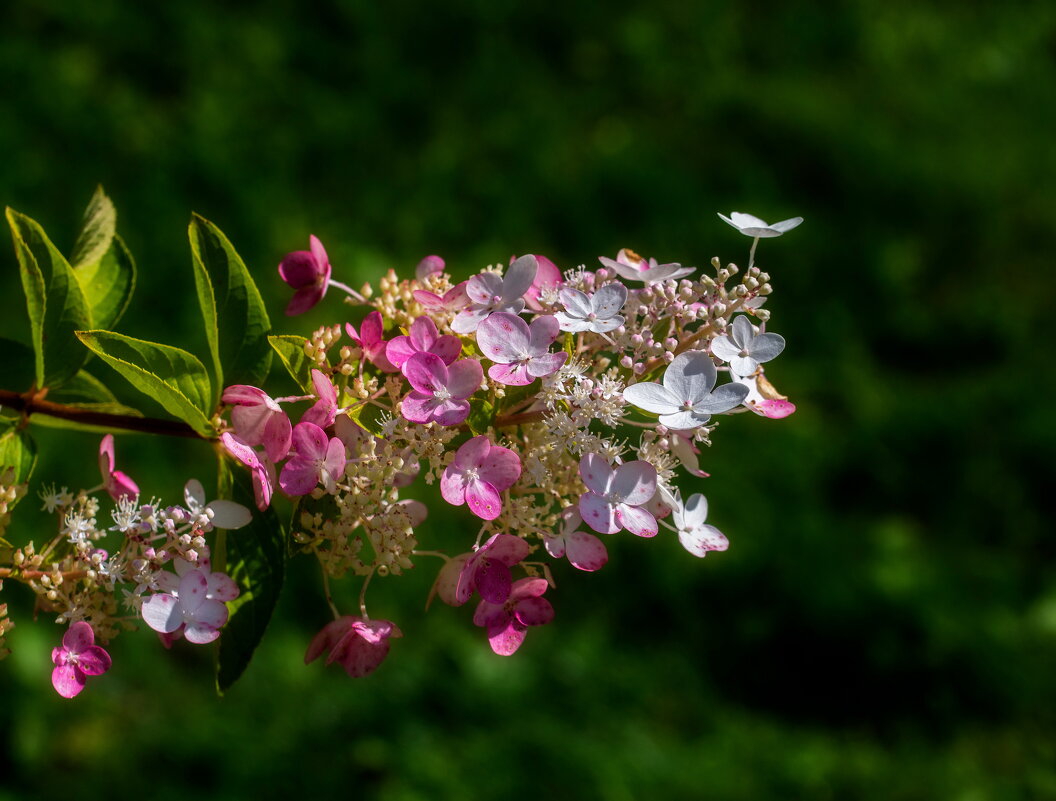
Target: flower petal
pixel 585 551
pixel 94 661
pixel 483 288
pixel 534 612
pixel 309 441
pixel 724 348
pixel 464 377
pixel 418 407
pixel 596 473
pixel 598 513
pixel 546 364
pixel 542 331
pixel 507 640
pixel 767 346
pixel 162 612
pixel 506 548
pixel 701 539
pixel 229 515
pixel 78 637
pixel 636 520
pixel 447 348
pixel 194 587
pixel 200 633
pixel 519 278
pixel 483 500
pixel 608 300
pixel 634 482
pixel 652 397
pixel 785 226
pixel 690 376
pixel 722 399
pixel 575 302
pixel 683 421
pixel 426 372
pixel 501 467
pixel 67 680
pixel 222 587
pixel 493 581
pixel 513 375
pixel 504 337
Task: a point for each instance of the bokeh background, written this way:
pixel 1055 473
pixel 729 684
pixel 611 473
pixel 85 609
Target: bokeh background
pixel 884 624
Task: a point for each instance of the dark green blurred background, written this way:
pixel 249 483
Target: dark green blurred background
pixel 884 623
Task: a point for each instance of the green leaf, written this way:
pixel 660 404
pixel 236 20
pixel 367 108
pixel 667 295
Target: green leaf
pixel 108 283
pixel 256 560
pixel 291 353
pixel 18 454
pixel 236 322
pixel 57 307
pixel 480 417
pixel 173 377
pixel 368 417
pixel 97 230
pixel 19 365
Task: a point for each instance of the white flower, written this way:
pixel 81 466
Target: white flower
pixel 215 514
pixel 633 267
pixel 696 536
pixel 753 226
pixel 686 400
pixel 597 312
pixel 744 350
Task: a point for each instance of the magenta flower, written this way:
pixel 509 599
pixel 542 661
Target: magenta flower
pixel 315 458
pixel 78 658
pixel 478 473
pixel 260 465
pixel 521 351
pixel 507 623
pixel 259 420
pixel 546 276
pixel 452 300
pixel 371 338
pixel 423 338
pixel 615 497
pixel 117 483
pixel 487 570
pixel 491 293
pixel 439 392
pixel 428 266
pixel 584 551
pixel 324 410
pixel 357 644
pixel 308 272
pixel 193 604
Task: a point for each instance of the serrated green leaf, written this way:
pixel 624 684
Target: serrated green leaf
pixel 236 322
pixel 57 307
pixel 19 365
pixel 108 283
pixel 173 377
pixel 256 560
pixel 291 353
pixel 97 230
pixel 18 453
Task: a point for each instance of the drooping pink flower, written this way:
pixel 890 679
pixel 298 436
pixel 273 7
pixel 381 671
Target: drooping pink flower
pixel 452 300
pixel 357 644
pixel 370 338
pixel 77 658
pixel 521 351
pixel 315 458
pixel 491 293
pixel 117 483
pixel 546 276
pixel 259 420
pixel 478 473
pixel 507 623
pixel 423 337
pixel 428 266
pixel 261 467
pixel 763 398
pixel 193 602
pixel 324 410
pixel 584 551
pixel 487 570
pixel 308 272
pixel 439 392
pixel 614 498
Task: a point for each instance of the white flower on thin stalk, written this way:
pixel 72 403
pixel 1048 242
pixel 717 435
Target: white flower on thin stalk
pixel 750 225
pixel 598 312
pixel 744 350
pixel 696 536
pixel 686 398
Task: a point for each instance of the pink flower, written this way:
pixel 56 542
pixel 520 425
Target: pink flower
pixel 615 497
pixel 116 482
pixel 478 473
pixel 633 267
pixel 315 458
pixel 193 604
pixel 428 266
pixel 546 276
pixel 488 569
pixel 763 398
pixel 507 623
pixel 370 338
pixel 324 410
pixel 584 551
pixel 78 658
pixel 259 420
pixel 521 351
pixel 262 469
pixel 439 392
pixel 308 272
pixel 696 536
pixel 357 644
pixel 492 293
pixel 452 300
pixel 423 338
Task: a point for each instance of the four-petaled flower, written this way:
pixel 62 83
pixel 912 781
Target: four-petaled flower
pixel 487 570
pixel 633 267
pixel 584 551
pixel 370 338
pixel 491 293
pixel 77 658
pixel 422 337
pixel 754 227
pixel 308 272
pixel 521 351
pixel 259 420
pixel 193 602
pixel 439 392
pixel 358 644
pixel 696 536
pixel 116 483
pixel 478 473
pixel 743 349
pixel 685 399
pixel 315 458
pixel 261 467
pixel 598 312
pixel 614 498
pixel 215 514
pixel 507 623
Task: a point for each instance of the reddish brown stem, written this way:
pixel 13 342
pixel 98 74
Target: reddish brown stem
pixel 16 574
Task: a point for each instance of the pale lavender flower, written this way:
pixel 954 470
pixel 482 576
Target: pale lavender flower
pixel 754 227
pixel 686 399
pixel 193 602
pixel 696 536
pixel 614 498
pixel 215 514
pixel 492 293
pixel 598 312
pixel 743 349
pixel 521 351
pixel 507 623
